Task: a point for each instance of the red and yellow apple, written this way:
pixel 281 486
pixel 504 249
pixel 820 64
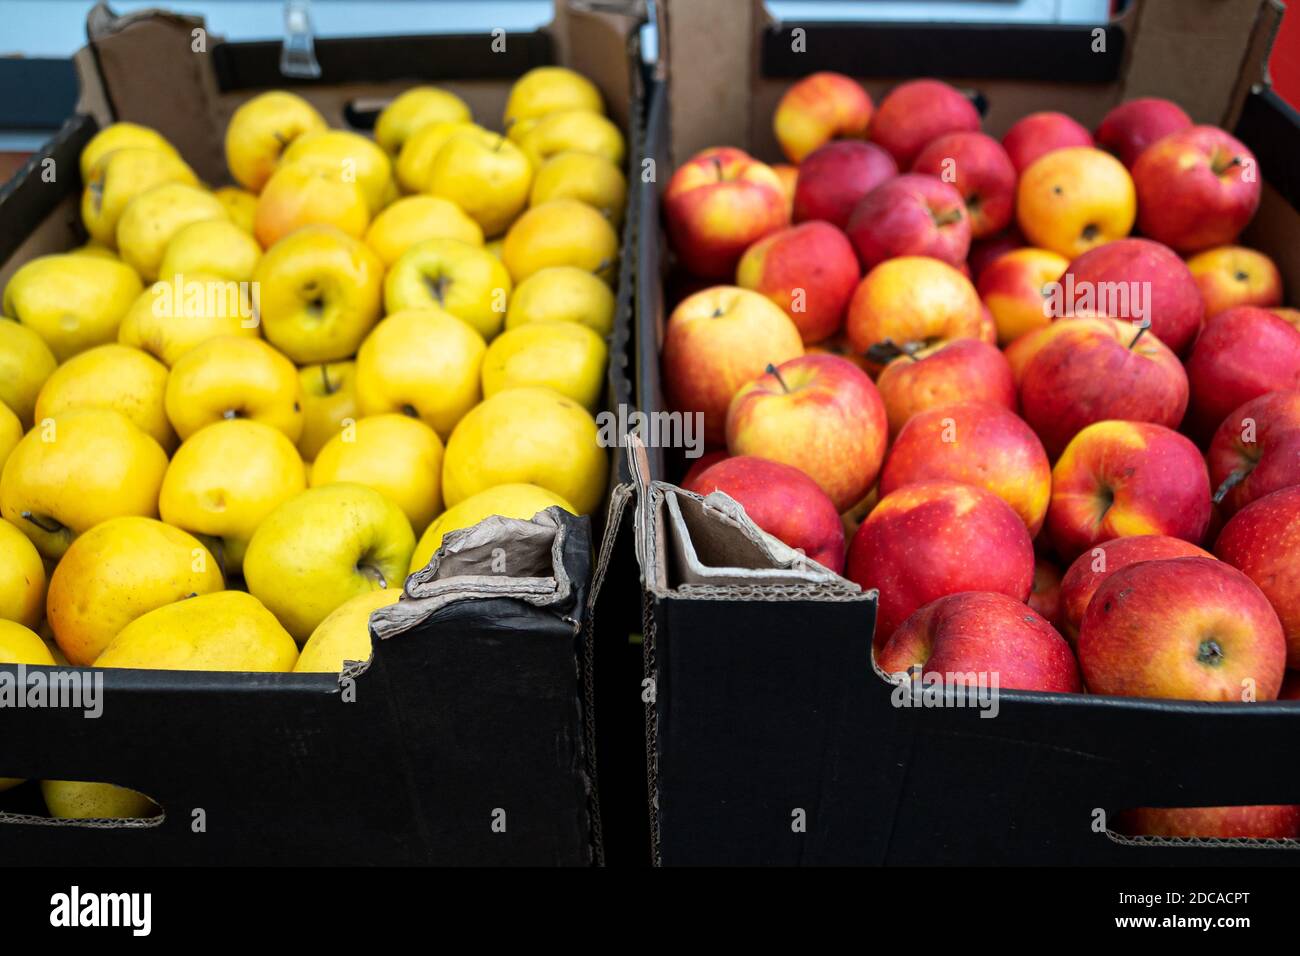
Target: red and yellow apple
pixel 835 178
pixel 1072 199
pixel 809 270
pixel 1038 134
pixel 1256 450
pixel 1240 354
pixel 910 215
pixel 819 108
pixel 1016 287
pixel 985 178
pixel 1234 275
pixel 956 371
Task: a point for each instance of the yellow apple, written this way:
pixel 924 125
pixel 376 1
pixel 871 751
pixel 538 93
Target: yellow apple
pixel 234 377
pixel 510 501
pixel 532 435
pixel 151 219
pixel 329 401
pixel 344 635
pixel 225 631
pixel 25 364
pixel 484 174
pixel 224 480
pixel 413 110
pixel 241 206
pixel 261 130
pixel 87 800
pixel 20 645
pixel 75 470
pixel 572 131
pixel 114 376
pixel 320 294
pixel 72 302
pixel 11 432
pixel 562 232
pixel 425 364
pixel 22 581
pixel 464 280
pixel 564 356
pixel 415 161
pixel 398 456
pixel 349 156
pixel 414 219
pixel 216 247
pixel 120 176
pixel 117 571
pixel 94 249
pixel 299 194
pixel 549 89
pixel 562 294
pixel 175 315
pixel 122 136
pixel 324 547
pixel 584 177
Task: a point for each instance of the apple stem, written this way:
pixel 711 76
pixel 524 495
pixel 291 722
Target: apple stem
pixel 325 379
pixel 948 218
pixel 1141 332
pixel 776 373
pixel 1232 481
pixel 1222 168
pixel 44 522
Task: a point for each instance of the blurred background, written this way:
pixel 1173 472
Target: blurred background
pixel 38 89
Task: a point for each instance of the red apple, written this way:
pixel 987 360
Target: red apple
pixel 781 500
pixel 1128 129
pixel 986 634
pixel 1124 478
pixel 809 270
pixel 978 443
pixel 1038 134
pixel 817 109
pixel 1234 275
pixel 960 370
pixel 1239 355
pixel 1263 540
pixel 819 413
pixel 982 172
pixel 1141 281
pixel 1092 567
pixel 1213 823
pixel 835 178
pixel 716 341
pixel 1256 450
pixel 936 538
pixel 1196 189
pixel 701 464
pixel 1091 370
pixel 1045 598
pixel 717 204
pixel 1181 628
pixel 916 112
pixel 910 215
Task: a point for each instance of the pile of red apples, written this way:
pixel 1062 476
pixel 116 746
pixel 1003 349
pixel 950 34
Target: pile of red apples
pixel 1034 391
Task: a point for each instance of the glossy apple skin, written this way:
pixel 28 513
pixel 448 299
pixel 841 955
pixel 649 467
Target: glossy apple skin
pixel 1239 355
pixel 701 464
pixel 1125 478
pixel 1095 565
pixel 817 109
pixel 834 179
pixel 936 538
pixel 976 443
pixel 1074 199
pixel 717 204
pixel 1197 188
pixel 1038 134
pixel 1091 370
pixel 1045 598
pixel 1258 448
pixel 716 341
pixel 1229 276
pixel 1015 287
pixel 1128 129
pixel 1274 822
pixel 1263 541
pixel 910 215
pixel 1176 310
pixel 915 112
pixel 822 415
pixel 978 166
pixel 960 370
pixel 983 633
pixel 1183 629
pixel 781 500
pixel 809 270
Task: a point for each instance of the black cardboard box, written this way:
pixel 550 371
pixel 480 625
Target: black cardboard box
pixel 469 738
pixel 770 739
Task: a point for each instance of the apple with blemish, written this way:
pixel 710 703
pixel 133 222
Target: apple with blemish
pixel 1234 275
pixel 833 180
pixel 977 443
pixel 809 270
pixel 978 166
pixel 918 111
pixel 1119 478
pixel 1017 288
pixel 1181 629
pixel 910 215
pixel 935 538
pixel 1240 354
pixel 781 500
pixel 819 108
pixel 1256 450
pixel 818 413
pixel 1038 134
pixel 956 371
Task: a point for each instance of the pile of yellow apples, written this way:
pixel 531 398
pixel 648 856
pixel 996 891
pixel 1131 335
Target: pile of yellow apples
pixel 236 419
